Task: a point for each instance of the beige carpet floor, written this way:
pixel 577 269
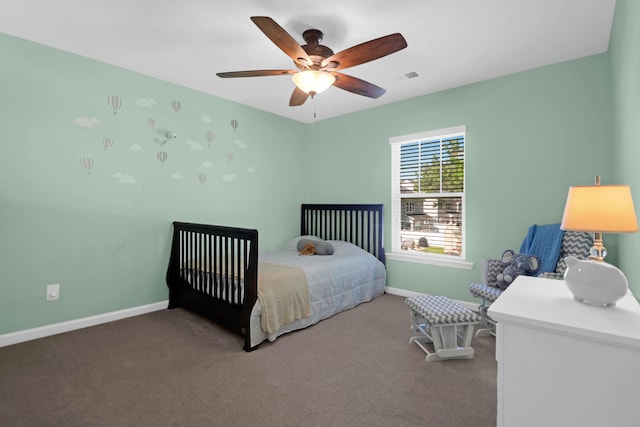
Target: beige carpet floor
pixel 173 368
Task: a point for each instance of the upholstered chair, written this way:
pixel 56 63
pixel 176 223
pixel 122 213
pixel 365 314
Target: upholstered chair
pixel 574 243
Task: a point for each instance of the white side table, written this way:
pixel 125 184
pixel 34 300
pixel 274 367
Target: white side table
pixel 564 363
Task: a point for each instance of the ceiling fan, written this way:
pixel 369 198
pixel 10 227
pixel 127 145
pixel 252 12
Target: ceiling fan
pixel 318 66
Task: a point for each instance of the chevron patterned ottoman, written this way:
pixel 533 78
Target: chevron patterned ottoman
pixel 442 324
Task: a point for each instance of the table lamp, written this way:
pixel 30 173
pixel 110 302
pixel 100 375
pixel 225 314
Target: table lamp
pixel 598 209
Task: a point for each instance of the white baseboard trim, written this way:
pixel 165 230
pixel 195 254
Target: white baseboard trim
pixel 72 325
pixel 407 294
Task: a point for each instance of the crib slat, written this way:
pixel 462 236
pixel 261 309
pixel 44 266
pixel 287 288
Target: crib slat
pixel 359 224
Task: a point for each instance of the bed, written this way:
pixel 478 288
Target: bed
pixel 219 271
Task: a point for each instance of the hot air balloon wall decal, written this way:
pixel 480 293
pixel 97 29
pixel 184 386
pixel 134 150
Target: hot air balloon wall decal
pixel 114 102
pixel 107 142
pixel 176 106
pixel 230 157
pixel 234 124
pixel 162 156
pixel 209 136
pixel 87 164
pixel 202 178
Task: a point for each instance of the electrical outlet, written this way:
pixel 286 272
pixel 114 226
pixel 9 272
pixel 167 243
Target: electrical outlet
pixel 53 292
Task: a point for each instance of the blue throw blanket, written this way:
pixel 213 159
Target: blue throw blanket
pixel 544 241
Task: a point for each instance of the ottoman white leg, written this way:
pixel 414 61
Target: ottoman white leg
pixel 448 339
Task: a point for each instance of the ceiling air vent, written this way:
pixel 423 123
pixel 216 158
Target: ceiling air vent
pixel 411 75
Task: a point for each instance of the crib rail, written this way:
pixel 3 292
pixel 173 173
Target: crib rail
pixel 218 262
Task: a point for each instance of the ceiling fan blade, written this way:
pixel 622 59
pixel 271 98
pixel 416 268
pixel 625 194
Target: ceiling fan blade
pixel 357 86
pixel 282 39
pixel 255 73
pixel 365 52
pixel 298 97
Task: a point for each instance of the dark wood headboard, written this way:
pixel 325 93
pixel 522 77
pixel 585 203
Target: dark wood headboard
pixel 359 224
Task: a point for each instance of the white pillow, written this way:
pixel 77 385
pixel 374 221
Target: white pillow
pixel 292 245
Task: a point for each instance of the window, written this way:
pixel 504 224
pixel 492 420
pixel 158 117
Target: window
pixel 427 196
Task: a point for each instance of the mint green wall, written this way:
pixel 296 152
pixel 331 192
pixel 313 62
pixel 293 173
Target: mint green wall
pixel 624 53
pixel 529 137
pixel 104 235
pixel 106 239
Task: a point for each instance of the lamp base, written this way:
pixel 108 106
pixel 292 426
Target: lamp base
pixel 595 283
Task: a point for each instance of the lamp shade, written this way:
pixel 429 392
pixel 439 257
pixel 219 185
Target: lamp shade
pixel 313 82
pixel 600 208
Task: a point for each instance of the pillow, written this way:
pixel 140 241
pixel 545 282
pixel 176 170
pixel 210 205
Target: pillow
pixel 322 247
pixel 292 245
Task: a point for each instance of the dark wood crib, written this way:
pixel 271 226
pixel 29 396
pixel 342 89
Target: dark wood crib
pixel 213 270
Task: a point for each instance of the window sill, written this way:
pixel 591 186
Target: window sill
pixel 432 260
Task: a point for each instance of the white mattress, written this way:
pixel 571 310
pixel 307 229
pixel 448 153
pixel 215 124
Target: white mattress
pixel 336 282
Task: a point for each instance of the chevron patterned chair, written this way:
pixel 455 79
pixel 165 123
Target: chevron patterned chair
pixel 574 243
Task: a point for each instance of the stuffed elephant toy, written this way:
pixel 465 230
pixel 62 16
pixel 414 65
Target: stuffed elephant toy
pixel 516 264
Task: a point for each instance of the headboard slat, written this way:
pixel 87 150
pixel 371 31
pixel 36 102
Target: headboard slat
pixel 360 224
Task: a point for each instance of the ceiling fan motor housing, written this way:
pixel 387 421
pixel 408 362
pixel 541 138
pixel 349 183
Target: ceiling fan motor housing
pixel 314 49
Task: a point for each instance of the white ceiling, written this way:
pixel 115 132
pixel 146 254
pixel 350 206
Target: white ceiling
pixel 450 42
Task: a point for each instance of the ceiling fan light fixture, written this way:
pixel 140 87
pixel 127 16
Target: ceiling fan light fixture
pixel 313 81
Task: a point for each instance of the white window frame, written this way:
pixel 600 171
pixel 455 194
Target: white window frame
pixel 396 208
